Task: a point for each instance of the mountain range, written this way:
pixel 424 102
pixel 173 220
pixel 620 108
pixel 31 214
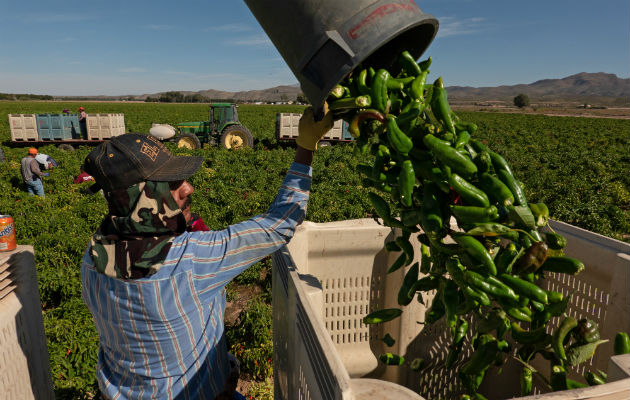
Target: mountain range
pixel 598 88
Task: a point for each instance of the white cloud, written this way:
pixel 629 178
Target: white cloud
pixel 256 40
pixel 450 26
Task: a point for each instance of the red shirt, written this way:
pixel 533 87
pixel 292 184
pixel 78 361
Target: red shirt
pixel 83 177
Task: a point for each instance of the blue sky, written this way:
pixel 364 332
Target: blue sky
pixel 96 47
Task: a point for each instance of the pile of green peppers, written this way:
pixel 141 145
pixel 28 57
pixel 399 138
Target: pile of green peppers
pixel 483 271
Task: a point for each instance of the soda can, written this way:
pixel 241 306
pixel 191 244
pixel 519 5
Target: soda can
pixel 7 233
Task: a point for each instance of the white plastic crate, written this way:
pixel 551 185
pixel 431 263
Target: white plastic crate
pixel 337 274
pixel 105 126
pixel 24 362
pixel 287 127
pixel 23 127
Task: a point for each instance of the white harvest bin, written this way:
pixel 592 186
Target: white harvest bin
pixel 24 362
pixel 333 274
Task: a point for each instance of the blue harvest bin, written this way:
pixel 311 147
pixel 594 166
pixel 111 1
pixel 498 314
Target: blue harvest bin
pixel 71 128
pixel 57 126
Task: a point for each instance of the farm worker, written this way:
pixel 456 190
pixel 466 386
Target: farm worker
pixel 83 122
pixel 45 161
pixel 1 155
pixel 32 175
pixel 156 290
pixel 83 177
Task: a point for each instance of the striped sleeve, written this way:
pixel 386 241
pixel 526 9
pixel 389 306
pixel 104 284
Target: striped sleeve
pixel 219 256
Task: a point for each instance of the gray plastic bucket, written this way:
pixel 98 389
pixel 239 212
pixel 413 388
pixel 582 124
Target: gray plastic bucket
pixel 324 40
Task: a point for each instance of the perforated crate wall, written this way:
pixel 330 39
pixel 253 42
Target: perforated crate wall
pixel 24 362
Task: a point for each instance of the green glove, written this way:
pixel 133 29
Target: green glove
pixel 310 131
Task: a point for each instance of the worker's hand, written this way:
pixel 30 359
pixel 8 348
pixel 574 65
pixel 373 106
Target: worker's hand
pixel 311 131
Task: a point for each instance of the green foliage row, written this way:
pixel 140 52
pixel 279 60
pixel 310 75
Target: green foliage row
pixel 577 166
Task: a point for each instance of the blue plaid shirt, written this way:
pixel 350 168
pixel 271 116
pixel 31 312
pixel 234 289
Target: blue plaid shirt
pixel 162 337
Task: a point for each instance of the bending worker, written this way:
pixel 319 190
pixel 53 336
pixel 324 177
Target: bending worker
pixel 31 174
pixel 157 291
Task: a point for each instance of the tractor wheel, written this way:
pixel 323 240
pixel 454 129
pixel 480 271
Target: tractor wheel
pixel 65 147
pixel 188 141
pixel 236 137
pixel 323 143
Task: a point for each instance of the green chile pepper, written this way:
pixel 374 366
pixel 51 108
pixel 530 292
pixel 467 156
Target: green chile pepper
pixel 490 286
pixel 571 384
pixel 436 311
pixel 350 103
pixel 562 264
pixel 462 139
pixel 472 214
pixel 460 332
pixel 499 163
pixel 450 299
pixel 508 179
pixel 431 211
pixel 379 90
pixel 426 169
pixel 555 241
pixel 469 193
pixel 417 87
pixel 425 284
pixel 568 324
pixel 425 258
pixel 622 343
pixel 361 82
pixel 593 379
pixel 407 119
pixel 450 156
pixel 558 378
pixel 406 182
pixel 526 380
pixel 527 289
pixel 586 331
pixel 477 251
pixel 541 213
pixel 408 64
pixel 405 295
pixel 337 92
pixel 398 140
pixel 440 106
pixel 353 127
pixel 483 161
pixel 481 358
pixel 505 257
pixel 496 189
pixel 527 337
pixel 533 259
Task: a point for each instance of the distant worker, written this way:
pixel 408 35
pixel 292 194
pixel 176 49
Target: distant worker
pixel 156 286
pixel 45 161
pixel 32 175
pixel 83 177
pixel 83 122
pixel 1 155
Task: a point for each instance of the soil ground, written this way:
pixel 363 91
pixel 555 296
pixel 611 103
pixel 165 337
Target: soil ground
pixel 563 110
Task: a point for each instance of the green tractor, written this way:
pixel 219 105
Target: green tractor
pixel 223 125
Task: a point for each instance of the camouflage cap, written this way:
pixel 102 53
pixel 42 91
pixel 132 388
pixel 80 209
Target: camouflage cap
pixel 135 157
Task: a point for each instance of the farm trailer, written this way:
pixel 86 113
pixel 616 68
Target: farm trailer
pixel 64 129
pixel 287 130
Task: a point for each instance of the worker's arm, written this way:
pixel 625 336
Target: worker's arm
pixel 35 168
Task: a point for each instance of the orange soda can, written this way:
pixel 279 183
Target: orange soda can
pixel 7 233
